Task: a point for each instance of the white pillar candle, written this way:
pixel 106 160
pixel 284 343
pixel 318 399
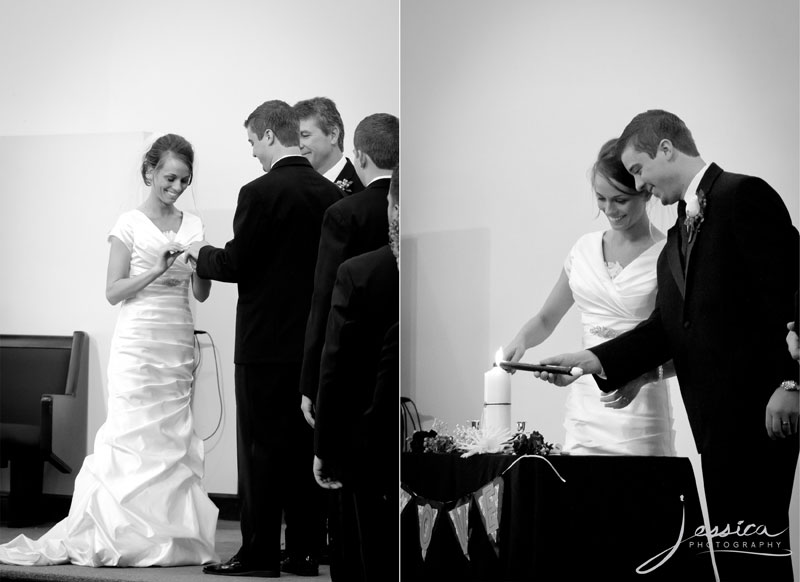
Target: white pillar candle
pixel 497 398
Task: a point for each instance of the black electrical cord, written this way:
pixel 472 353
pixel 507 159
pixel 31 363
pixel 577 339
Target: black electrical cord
pixel 199 361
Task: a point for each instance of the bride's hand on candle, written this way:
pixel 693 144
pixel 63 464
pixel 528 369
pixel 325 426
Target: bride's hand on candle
pixel 513 352
pixel 585 360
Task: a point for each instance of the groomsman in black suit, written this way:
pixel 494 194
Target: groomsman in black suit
pixel 271 258
pixel 322 142
pixel 726 282
pixel 354 225
pixel 357 410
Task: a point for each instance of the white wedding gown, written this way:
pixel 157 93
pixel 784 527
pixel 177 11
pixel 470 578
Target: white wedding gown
pixel 138 499
pixel 613 300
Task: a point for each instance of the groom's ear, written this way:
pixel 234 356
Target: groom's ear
pixel 360 158
pixel 665 147
pixel 269 137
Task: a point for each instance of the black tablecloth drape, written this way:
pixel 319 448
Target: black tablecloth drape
pixel 608 517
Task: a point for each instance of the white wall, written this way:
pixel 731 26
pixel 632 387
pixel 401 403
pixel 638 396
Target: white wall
pixel 504 106
pixel 53 226
pixel 88 72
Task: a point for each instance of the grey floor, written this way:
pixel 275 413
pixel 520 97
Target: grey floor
pixel 227 542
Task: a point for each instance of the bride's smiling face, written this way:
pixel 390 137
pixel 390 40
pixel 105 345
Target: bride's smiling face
pixel 622 210
pixel 170 180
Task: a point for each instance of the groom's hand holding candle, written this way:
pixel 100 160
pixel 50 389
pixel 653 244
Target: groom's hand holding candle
pixel 585 360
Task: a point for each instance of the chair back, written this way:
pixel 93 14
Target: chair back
pixel 31 366
pixel 409 421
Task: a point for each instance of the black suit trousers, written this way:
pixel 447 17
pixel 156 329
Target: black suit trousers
pixel 749 492
pixel 275 457
pixel 364 525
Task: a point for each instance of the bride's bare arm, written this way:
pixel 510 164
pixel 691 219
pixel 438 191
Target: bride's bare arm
pixel 201 288
pixel 541 325
pixel 119 285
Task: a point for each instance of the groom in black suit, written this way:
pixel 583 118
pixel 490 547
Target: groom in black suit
pixel 271 258
pixel 726 282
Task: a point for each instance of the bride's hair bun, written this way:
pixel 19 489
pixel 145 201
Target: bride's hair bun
pixel 612 169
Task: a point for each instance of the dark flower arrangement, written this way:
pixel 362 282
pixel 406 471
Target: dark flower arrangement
pixel 533 444
pixel 429 441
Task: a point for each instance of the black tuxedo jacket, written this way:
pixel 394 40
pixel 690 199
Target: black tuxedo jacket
pixel 378 425
pixel 364 306
pixel 271 257
pixel 382 413
pixel 348 180
pixel 354 225
pixel 723 319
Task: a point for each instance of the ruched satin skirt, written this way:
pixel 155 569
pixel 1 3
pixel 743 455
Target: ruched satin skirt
pixel 138 498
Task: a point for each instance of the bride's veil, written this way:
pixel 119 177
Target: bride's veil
pixel 661 217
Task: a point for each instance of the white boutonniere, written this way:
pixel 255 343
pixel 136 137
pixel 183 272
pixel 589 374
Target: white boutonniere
pixel 695 207
pixel 344 184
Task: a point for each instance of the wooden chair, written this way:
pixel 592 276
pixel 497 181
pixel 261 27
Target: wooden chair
pixel 409 421
pixel 40 380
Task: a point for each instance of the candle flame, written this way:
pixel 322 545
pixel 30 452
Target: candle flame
pixel 498 357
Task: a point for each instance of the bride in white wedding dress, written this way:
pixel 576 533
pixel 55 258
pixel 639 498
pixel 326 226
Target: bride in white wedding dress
pixel 138 498
pixel 611 276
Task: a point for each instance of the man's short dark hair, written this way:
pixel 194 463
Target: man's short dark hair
pixel 378 136
pixel 646 130
pixel 324 112
pixel 277 116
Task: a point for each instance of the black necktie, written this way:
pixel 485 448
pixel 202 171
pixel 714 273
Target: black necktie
pixel 682 230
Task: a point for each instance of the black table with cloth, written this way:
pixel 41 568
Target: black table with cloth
pixel 608 517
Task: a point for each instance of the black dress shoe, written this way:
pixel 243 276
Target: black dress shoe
pixel 235 567
pixel 301 566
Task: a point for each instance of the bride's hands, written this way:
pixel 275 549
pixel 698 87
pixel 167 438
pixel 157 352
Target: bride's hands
pixel 514 351
pixel 167 255
pixel 621 397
